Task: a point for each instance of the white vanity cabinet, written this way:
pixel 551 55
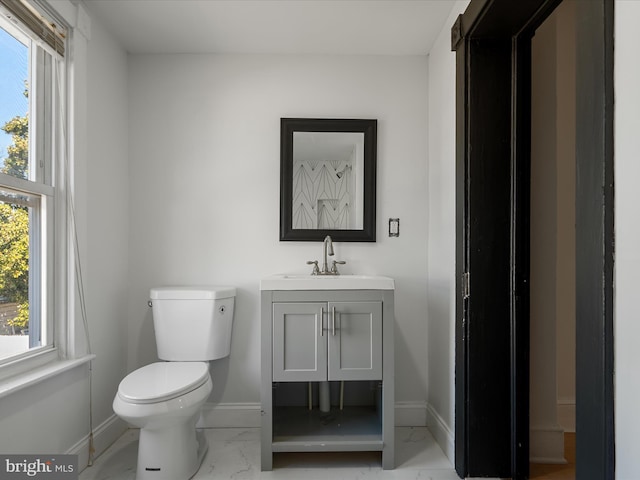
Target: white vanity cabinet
pixel 344 337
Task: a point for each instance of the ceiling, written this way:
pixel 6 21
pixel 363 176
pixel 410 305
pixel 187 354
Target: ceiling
pixel 352 27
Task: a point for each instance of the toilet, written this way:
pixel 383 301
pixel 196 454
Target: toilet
pixel 164 399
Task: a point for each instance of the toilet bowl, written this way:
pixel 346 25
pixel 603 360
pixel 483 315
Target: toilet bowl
pixel 164 399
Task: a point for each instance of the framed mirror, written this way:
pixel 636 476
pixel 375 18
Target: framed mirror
pixel 328 179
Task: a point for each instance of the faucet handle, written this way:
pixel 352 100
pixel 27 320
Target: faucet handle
pixel 334 266
pixel 315 270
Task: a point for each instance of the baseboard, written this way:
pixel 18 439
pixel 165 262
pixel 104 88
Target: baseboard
pixel 546 445
pixel 441 432
pixel 411 414
pixel 567 414
pixel 103 436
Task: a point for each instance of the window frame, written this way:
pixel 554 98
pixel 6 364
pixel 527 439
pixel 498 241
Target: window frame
pixel 48 229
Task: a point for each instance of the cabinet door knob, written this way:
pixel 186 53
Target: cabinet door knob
pixel 322 321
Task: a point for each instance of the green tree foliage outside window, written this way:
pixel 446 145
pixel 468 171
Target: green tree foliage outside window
pixel 17 154
pixel 14 227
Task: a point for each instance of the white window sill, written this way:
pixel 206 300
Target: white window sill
pixel 24 380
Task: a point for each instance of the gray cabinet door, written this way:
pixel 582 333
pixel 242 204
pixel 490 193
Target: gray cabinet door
pixel 354 333
pixel 299 342
pixel 327 341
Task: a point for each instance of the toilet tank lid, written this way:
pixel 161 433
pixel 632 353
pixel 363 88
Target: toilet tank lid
pixel 192 293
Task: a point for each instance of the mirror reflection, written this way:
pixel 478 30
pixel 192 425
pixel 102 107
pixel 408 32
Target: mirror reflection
pixel 327 180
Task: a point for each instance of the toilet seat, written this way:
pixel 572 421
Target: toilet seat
pixel 162 381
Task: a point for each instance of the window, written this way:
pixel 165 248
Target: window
pixel 31 81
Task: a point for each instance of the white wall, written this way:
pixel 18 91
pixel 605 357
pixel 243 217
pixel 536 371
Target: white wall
pixel 552 273
pixel 106 208
pixel 566 214
pixel 59 406
pixel 204 165
pixel 627 173
pixel 552 281
pixel 442 235
pixel 546 438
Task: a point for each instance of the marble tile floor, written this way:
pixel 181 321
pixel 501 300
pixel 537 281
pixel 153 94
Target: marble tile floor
pixel 234 454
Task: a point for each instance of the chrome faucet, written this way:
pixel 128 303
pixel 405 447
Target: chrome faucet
pixel 327 251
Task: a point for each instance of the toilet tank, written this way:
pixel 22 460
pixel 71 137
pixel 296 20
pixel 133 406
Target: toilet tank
pixel 193 323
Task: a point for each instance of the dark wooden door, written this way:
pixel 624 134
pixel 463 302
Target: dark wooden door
pixel 483 332
pixel 595 439
pixel 492 40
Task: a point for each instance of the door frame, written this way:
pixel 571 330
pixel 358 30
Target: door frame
pixel 492 40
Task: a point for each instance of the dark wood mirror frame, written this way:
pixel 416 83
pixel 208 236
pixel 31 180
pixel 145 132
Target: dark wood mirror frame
pixel 287 128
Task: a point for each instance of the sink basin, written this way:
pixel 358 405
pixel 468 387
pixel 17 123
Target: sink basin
pixel 301 281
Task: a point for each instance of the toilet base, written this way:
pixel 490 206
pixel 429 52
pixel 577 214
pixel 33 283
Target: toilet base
pixel 171 453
